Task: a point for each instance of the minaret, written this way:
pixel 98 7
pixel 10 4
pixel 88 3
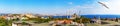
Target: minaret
pixel 99 20
pixel 79 14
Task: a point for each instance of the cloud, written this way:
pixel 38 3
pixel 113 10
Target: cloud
pixel 77 9
pixel 70 3
pixel 114 6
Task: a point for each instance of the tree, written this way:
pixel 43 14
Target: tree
pixel 4 22
pixel 82 19
pixel 17 19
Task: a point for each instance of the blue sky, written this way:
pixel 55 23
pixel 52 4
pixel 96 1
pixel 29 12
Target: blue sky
pixel 51 6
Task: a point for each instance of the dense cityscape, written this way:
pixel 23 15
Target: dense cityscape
pixel 37 20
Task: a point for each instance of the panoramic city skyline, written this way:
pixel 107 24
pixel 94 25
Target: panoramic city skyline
pixel 59 6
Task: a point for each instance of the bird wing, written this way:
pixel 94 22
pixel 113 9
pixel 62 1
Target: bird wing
pixel 103 5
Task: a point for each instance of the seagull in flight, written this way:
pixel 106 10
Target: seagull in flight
pixel 103 5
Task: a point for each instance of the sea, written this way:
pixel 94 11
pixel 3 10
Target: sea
pixel 91 16
pixel 87 16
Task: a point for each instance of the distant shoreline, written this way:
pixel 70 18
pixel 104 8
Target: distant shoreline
pixel 92 16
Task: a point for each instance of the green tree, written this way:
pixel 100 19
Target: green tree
pixel 82 19
pixel 4 22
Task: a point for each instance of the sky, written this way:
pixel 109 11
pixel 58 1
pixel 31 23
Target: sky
pixel 61 7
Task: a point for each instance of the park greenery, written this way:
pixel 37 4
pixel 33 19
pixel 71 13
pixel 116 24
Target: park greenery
pixel 4 22
pixel 81 19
